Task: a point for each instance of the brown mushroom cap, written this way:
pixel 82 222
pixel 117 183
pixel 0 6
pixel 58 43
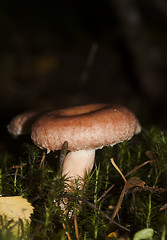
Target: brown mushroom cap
pixel 21 124
pixel 85 127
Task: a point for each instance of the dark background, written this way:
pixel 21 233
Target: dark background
pixel 64 53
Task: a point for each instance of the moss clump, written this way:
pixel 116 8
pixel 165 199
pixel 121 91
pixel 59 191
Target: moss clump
pixel 145 156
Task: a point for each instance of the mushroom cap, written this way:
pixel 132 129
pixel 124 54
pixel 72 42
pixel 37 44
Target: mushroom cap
pixel 84 127
pixel 21 124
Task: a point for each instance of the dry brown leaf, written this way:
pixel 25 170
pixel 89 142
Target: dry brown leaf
pixel 15 207
pixel 132 182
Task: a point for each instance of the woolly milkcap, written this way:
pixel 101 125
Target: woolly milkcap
pixel 86 128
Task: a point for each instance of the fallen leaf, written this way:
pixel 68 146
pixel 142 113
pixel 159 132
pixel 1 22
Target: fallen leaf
pixel 132 182
pixel 146 233
pixel 15 208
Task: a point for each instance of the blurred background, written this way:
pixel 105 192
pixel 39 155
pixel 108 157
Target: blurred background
pixel 64 53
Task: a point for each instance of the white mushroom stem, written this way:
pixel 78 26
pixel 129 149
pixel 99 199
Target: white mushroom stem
pixel 77 164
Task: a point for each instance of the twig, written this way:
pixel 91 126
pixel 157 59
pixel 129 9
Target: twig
pixel 76 226
pixel 136 168
pixel 128 184
pixel 105 193
pixel 132 182
pixel 116 209
pixel 68 235
pixel 94 207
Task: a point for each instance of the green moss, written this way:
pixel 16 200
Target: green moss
pixel 44 188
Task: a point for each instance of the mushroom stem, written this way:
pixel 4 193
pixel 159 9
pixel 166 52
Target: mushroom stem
pixel 77 164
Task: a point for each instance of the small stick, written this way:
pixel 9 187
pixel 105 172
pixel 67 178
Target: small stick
pixel 116 209
pixel 128 185
pixel 68 235
pixel 76 226
pixel 105 193
pixel 136 168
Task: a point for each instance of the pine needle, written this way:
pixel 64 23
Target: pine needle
pixel 116 167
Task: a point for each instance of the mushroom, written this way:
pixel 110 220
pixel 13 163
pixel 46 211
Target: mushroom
pixel 85 128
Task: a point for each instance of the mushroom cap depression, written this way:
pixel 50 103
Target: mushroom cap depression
pixel 84 127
